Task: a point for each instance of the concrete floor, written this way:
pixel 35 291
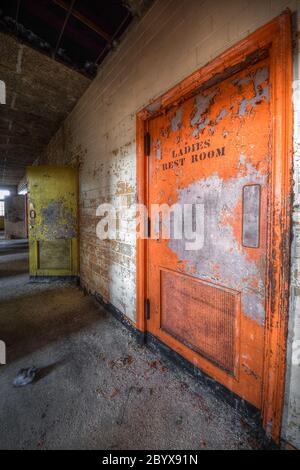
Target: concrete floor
pixel 97 388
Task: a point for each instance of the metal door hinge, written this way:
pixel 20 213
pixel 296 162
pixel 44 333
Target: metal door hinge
pixel 147 144
pixel 149 227
pixel 147 309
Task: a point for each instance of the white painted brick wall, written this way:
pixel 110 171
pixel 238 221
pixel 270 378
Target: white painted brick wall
pixel 173 39
pixel 291 423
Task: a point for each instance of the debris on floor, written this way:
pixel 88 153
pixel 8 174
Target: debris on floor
pixel 25 377
pixel 96 388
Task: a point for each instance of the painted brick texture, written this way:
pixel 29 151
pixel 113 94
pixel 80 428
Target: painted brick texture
pixel 171 41
pixel 291 427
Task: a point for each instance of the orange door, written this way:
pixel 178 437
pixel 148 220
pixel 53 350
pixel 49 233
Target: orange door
pixel 211 153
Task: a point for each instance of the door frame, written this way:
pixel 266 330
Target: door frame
pixel 275 39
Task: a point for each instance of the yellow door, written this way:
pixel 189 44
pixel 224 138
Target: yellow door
pixel 53 222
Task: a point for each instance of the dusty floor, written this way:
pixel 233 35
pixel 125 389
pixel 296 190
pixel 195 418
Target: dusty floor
pixel 97 388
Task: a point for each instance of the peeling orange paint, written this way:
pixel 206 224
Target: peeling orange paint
pixel 194 160
pixel 216 130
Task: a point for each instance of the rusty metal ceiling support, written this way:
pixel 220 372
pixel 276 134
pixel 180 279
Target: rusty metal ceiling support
pixel 136 7
pixel 113 42
pixel 69 12
pixel 17 13
pixel 87 22
pixel 78 34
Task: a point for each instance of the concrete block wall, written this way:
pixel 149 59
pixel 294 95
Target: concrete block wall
pixel 291 424
pixel 171 41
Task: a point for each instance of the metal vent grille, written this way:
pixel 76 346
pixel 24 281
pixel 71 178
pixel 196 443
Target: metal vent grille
pixel 202 316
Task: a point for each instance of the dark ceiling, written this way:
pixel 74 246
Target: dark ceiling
pixel 78 32
pixel 40 93
pixel 49 52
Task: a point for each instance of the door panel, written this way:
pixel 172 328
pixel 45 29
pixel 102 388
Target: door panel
pixel 54 254
pixel 52 218
pixel 208 303
pixel 203 316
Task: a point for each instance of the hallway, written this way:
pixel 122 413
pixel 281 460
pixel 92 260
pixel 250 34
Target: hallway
pixel 97 389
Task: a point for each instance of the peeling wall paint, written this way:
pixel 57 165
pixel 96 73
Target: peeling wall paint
pixel 291 420
pixel 58 220
pixel 53 220
pixel 176 120
pixel 221 247
pixel 103 122
pixel 202 103
pixel 260 92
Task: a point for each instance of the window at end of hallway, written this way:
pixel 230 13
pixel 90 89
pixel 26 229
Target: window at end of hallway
pixel 3 193
pixel 1 208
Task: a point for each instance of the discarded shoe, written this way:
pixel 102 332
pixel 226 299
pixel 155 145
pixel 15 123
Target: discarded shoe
pixel 25 377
